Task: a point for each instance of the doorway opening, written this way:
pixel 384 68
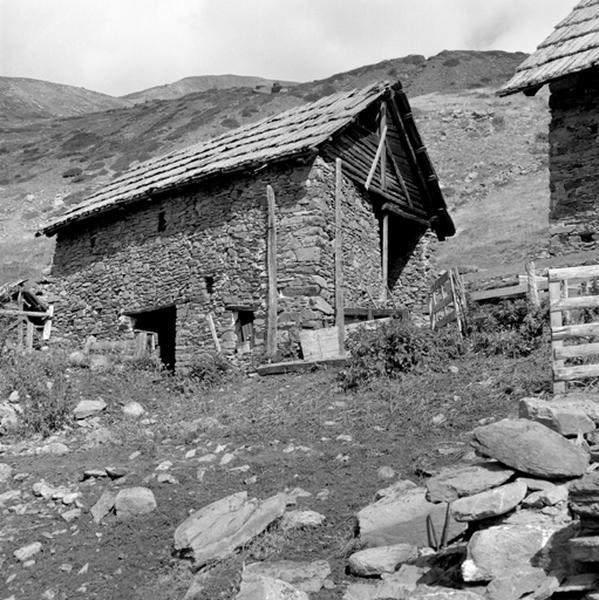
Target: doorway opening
pixel 162 322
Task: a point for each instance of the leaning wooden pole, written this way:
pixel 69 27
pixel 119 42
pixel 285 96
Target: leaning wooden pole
pixel 385 257
pixel 271 259
pixel 339 304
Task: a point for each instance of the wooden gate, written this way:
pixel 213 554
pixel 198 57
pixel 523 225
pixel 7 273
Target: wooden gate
pixel 574 311
pixel 448 301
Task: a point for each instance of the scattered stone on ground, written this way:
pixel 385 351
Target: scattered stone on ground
pixel 531 448
pixel 133 409
pixel 385 472
pixel 88 408
pixel 103 506
pixel 27 552
pixel 296 519
pixel 217 529
pixel 133 501
pixel 5 472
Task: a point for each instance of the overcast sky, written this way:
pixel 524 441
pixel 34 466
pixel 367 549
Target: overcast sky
pixel 121 46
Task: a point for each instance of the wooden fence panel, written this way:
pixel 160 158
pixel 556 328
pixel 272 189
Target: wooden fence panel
pixel 574 314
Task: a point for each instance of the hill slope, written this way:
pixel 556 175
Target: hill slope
pixel 202 83
pixel 22 98
pixel 489 152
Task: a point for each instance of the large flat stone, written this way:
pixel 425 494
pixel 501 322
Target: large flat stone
pixel 454 483
pixel 491 503
pixel 531 448
pixel 401 519
pixel 384 559
pixel 217 529
pixel 568 417
pixel 501 549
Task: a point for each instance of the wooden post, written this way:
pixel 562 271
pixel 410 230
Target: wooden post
pixel 48 323
pixel 382 134
pixel 532 291
pixel 20 330
pixel 271 259
pixel 385 257
pixel 212 327
pixel 29 338
pixel 339 304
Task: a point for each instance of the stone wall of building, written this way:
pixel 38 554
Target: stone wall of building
pixel 203 250
pixel 574 163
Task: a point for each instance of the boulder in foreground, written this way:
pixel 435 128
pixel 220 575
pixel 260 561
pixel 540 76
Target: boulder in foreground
pixel 216 530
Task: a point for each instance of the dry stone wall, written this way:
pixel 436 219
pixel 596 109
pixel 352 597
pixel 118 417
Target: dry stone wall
pixel 574 163
pixel 203 250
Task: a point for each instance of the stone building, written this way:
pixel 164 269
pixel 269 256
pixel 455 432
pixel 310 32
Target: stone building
pixel 568 61
pixel 178 245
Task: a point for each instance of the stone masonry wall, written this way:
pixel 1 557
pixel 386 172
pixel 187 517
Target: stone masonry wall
pixel 204 251
pixel 574 163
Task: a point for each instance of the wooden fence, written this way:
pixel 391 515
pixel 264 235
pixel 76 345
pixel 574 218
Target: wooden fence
pixel 574 313
pixel 448 301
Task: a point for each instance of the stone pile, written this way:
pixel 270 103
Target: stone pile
pixel 519 520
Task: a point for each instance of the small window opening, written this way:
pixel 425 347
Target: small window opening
pixel 209 282
pixel 92 242
pixel 586 236
pixel 161 221
pixel 244 328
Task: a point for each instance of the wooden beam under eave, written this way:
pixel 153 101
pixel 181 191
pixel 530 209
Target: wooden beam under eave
pixel 383 137
pixel 396 210
pixel 377 157
pixel 398 175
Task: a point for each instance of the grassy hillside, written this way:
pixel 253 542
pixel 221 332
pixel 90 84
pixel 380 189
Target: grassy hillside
pixel 201 83
pixel 490 152
pixel 22 98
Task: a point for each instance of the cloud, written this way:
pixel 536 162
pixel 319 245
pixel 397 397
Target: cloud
pixel 119 46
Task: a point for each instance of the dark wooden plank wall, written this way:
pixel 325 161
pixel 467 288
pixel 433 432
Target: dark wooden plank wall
pixel 357 146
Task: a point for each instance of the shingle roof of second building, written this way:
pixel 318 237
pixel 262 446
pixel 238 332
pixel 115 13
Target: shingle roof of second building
pixel 572 47
pixel 280 136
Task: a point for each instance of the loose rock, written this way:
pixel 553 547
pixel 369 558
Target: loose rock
pixel 25 553
pixel 568 417
pixel 451 484
pixel 88 408
pixel 134 501
pixel 383 559
pixel 216 530
pixel 297 519
pixel 531 448
pixel 133 409
pixel 267 588
pixel 491 503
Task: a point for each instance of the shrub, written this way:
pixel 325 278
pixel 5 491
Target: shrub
pixel 43 386
pixel 510 328
pixel 395 348
pixel 209 370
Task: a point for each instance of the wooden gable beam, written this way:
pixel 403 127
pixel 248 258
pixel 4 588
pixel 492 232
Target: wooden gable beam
pixel 377 157
pixel 398 175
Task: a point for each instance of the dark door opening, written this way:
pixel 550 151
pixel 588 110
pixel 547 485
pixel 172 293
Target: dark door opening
pixel 163 322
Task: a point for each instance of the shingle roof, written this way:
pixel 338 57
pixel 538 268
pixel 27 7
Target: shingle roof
pixel 572 47
pixel 284 135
